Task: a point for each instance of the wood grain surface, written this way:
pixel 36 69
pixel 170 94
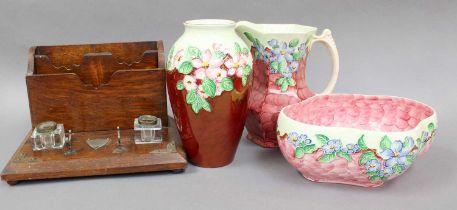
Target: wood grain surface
pixel 35 165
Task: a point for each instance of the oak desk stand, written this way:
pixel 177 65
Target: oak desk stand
pixel 92 89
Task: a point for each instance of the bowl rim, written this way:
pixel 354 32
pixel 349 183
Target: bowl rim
pixel 432 117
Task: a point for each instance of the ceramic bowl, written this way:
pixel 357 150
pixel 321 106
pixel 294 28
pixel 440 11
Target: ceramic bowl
pixel 355 139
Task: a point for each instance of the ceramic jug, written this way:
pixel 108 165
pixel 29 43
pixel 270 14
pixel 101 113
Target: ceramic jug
pixel 279 52
pixel 208 76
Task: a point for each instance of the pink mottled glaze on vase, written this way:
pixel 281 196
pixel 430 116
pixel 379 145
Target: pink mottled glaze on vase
pixel 373 123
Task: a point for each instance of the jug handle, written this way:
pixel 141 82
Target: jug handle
pixel 327 39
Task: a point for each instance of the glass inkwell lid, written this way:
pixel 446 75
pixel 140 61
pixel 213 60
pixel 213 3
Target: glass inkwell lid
pixel 48 135
pixel 148 129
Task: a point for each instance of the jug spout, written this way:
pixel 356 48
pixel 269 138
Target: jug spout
pixel 247 30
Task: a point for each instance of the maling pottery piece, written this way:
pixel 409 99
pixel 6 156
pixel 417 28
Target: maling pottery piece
pixel 208 77
pixel 280 52
pixel 355 139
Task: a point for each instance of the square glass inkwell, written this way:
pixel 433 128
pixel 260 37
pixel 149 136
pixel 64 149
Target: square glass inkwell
pixel 148 129
pixel 48 135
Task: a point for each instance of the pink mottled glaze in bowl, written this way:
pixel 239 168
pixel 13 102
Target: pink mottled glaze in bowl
pixel 355 139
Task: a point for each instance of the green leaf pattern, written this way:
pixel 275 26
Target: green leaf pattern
pixel 299 152
pixel 249 36
pixel 209 87
pixel 293 42
pixel 385 142
pixel 227 84
pixel 191 97
pixel 237 48
pixel 180 85
pixel 361 142
pixel 185 67
pixel 344 155
pixel 327 158
pixel 323 139
pixel 193 52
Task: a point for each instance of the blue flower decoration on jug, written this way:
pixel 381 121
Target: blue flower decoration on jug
pixel 293 67
pixel 281 57
pixel 281 50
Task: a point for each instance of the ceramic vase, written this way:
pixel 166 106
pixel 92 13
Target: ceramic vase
pixel 208 78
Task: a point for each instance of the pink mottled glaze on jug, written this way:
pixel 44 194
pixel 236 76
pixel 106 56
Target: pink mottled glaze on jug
pixel 355 139
pixel 266 101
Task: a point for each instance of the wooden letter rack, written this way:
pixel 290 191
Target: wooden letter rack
pixel 92 89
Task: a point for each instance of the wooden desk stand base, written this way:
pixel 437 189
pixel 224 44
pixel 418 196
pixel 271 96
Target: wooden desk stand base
pixel 29 165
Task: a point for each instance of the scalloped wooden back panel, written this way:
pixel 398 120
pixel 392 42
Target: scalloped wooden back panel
pixel 96 87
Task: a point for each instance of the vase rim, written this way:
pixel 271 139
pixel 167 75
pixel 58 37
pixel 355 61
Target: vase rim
pixel 209 22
